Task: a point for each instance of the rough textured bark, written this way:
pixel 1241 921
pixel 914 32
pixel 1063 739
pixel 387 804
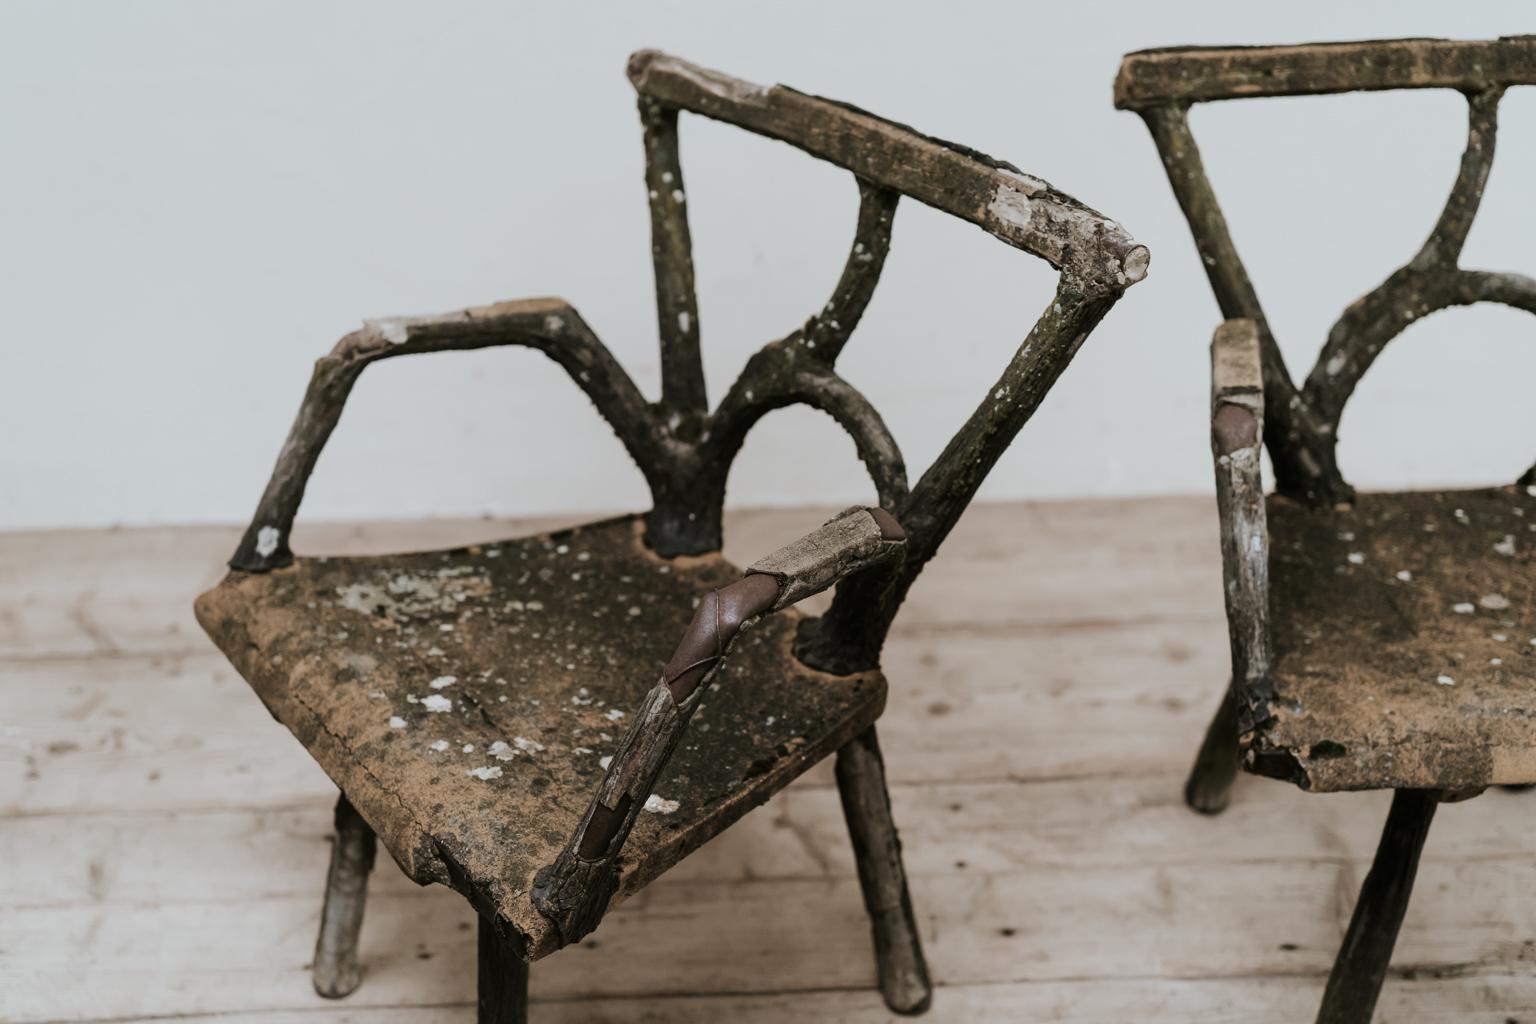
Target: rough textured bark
pixel 1022 210
pixel 1162 84
pixel 549 325
pixel 1298 447
pixel 1193 74
pixel 1361 966
pixel 336 972
pixel 677 306
pixel 502 979
pixel 849 636
pixel 899 957
pixel 574 891
pixel 1237 438
pixel 1431 281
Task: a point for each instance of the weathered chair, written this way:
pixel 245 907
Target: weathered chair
pixel 468 702
pixel 1379 641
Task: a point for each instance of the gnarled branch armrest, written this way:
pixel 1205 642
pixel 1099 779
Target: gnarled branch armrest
pixel 1237 439
pixel 550 325
pixel 575 890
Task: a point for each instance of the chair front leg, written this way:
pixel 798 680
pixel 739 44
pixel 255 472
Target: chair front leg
pixel 336 972
pixel 1209 787
pixel 1361 965
pixel 502 977
pixel 877 851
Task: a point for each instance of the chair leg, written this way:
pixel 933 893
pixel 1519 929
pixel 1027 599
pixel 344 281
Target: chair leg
pixel 1210 780
pixel 503 980
pixel 877 850
pixel 1361 965
pixel 336 972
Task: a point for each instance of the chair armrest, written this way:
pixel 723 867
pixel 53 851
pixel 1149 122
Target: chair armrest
pixel 550 325
pixel 574 891
pixel 1237 441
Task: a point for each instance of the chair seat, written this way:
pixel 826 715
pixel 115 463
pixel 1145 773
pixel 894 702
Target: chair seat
pixel 1404 633
pixel 466 701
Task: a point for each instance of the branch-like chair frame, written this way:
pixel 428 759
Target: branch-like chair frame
pixel 685 449
pixel 1256 404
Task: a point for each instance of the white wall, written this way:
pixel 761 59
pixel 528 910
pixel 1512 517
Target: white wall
pixel 196 199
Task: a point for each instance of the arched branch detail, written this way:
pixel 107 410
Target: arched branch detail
pixel 779 375
pixel 1429 282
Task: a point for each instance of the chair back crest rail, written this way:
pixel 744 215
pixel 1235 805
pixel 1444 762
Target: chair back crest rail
pixel 1303 420
pixel 682 446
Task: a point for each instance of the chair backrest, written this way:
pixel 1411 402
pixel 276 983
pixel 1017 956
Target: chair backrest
pixel 1302 421
pixel 682 447
pixel 1096 259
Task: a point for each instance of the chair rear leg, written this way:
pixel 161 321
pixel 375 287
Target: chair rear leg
pixel 503 979
pixel 336 972
pixel 1361 965
pixel 1210 780
pixel 877 850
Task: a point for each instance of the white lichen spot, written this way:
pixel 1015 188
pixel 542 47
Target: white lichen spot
pixel 396 722
pixel 614 714
pixel 684 322
pixel 660 805
pixel 442 682
pixel 666 177
pixel 1495 661
pixel 437 703
pixel 267 539
pixel 501 751
pixel 1404 575
pixel 527 745
pixel 604 762
pixel 1445 680
pixel 634 609
pixel 1506 546
pixel 485 774
pixel 1494 602
pixel 677 196
pixel 1356 557
pixel 1500 637
pixel 535 606
pixel 446 627
pixel 439 745
pixel 553 324
pixel 391 329
pixel 1335 365
pixel 468 748
pixel 1463 608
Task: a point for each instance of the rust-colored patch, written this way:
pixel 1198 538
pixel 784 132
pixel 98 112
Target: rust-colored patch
pixel 1403 633
pixel 549 642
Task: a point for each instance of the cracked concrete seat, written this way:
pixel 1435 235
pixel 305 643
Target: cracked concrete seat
pixel 466 700
pixel 1404 632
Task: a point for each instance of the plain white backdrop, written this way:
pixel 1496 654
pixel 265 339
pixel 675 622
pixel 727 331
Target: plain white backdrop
pixel 197 199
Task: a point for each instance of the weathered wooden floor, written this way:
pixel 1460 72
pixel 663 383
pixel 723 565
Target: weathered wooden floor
pixel 163 842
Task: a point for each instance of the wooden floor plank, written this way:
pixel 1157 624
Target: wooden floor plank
pixel 1477 999
pixel 165 840
pixel 1048 924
